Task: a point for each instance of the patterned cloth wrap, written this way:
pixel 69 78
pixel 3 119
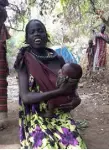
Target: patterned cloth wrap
pixel 59 132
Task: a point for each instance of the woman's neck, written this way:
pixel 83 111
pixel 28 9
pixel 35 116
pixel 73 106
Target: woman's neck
pixel 39 51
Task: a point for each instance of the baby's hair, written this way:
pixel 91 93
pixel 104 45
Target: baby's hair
pixel 27 26
pixel 77 70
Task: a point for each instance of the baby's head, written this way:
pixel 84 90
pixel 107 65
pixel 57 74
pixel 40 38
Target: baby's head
pixel 70 72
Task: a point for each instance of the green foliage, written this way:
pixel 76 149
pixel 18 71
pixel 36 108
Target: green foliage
pixel 82 14
pixel 76 17
pixel 84 7
pixel 74 11
pixel 64 2
pixel 13 45
pixel 15 42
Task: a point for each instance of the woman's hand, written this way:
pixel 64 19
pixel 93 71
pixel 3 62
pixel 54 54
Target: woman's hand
pixel 98 36
pixel 67 88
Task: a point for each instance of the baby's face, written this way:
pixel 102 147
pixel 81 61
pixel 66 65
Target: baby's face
pixel 90 43
pixel 66 70
pixel 63 73
pixel 68 74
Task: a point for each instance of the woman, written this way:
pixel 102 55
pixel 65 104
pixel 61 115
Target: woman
pixel 37 66
pixel 101 40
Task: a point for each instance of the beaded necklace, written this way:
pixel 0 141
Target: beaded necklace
pixel 50 55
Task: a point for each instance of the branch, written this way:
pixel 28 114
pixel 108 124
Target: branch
pixel 18 11
pixel 17 8
pixel 99 13
pixel 31 3
pixel 93 5
pixel 105 21
pixel 10 27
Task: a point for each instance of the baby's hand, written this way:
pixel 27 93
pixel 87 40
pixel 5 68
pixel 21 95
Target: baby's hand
pixel 75 101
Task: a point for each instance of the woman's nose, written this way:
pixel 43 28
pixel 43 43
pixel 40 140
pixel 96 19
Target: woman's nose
pixel 36 33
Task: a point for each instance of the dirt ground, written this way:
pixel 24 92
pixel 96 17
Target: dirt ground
pixel 94 108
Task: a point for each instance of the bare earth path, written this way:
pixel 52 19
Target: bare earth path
pixel 94 108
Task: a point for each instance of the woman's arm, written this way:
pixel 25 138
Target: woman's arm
pixel 35 97
pixel 106 39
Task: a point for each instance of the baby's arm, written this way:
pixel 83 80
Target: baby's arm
pixel 75 101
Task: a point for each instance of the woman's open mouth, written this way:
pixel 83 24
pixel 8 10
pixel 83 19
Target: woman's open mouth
pixel 37 41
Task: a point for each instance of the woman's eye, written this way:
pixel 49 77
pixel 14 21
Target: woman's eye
pixel 40 30
pixel 32 31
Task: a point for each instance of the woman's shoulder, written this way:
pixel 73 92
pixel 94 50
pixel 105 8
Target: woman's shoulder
pixel 23 49
pixel 19 62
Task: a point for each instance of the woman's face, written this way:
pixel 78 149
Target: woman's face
pixel 36 36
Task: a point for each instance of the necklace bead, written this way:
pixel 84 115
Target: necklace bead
pixel 51 55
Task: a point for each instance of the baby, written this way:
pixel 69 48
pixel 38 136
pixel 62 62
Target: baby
pixel 72 73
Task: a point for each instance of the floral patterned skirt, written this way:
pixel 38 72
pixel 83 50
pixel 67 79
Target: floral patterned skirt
pixel 59 132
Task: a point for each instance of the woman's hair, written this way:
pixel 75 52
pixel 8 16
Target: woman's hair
pixel 27 26
pixel 3 13
pixel 4 3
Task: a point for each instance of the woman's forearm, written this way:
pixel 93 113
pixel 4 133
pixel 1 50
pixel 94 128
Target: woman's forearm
pixel 33 97
pixel 105 39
